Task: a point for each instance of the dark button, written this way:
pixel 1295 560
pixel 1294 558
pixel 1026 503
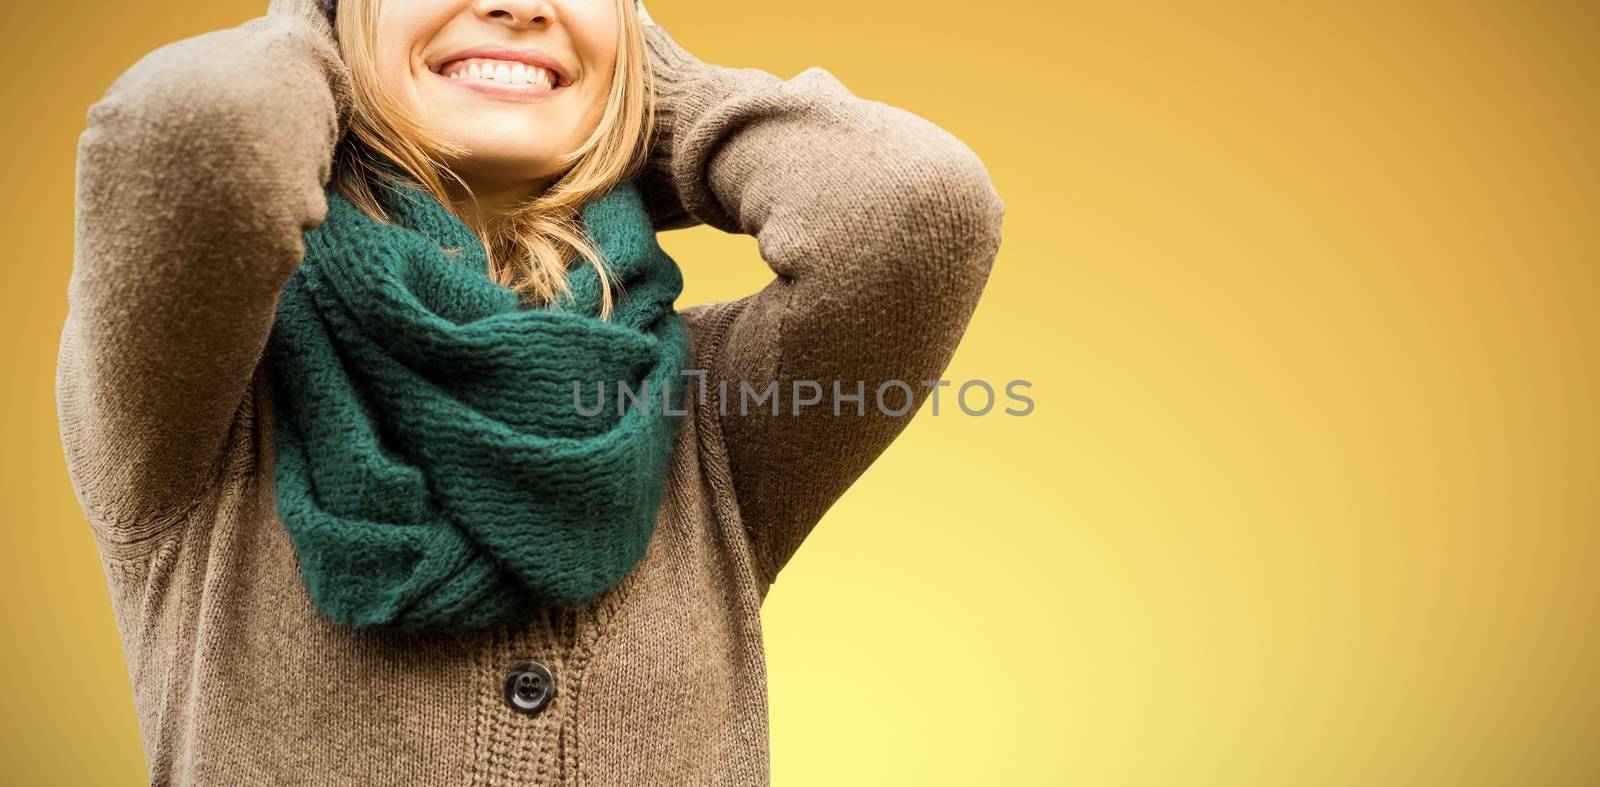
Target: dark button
pixel 529 687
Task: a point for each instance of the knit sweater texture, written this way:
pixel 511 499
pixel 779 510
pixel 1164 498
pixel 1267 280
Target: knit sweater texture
pixel 434 469
pixel 199 173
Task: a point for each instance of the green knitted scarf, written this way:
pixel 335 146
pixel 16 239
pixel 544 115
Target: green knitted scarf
pixel 433 467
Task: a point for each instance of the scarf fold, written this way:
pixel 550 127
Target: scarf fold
pixel 432 467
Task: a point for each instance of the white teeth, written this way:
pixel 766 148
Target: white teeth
pixel 511 73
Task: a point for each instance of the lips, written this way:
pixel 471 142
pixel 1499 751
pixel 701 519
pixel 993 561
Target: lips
pixel 490 59
pixel 503 72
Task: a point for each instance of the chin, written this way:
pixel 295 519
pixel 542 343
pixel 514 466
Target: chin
pixel 500 164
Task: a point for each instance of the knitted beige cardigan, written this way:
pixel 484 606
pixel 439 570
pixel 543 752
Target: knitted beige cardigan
pixel 197 175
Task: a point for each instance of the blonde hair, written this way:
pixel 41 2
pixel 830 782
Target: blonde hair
pixel 530 247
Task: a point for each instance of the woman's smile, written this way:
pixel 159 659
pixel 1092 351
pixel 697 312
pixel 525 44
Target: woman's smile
pixel 502 79
pixel 505 90
pixel 510 73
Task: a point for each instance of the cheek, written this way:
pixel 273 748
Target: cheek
pixel 595 31
pixel 402 28
pixel 394 70
pixel 593 25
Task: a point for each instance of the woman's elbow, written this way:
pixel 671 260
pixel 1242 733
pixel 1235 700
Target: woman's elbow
pixel 247 96
pixel 966 209
pixel 946 216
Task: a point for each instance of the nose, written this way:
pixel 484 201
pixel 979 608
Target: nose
pixel 517 13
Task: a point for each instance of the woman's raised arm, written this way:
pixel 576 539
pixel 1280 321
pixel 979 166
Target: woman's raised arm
pixel 198 172
pixel 881 228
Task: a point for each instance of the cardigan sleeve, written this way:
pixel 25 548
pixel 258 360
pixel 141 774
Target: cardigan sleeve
pixel 881 229
pixel 197 173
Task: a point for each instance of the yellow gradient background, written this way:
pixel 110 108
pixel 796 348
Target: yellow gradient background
pixel 1311 495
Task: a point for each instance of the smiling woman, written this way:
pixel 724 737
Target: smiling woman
pixel 314 387
pixel 454 95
